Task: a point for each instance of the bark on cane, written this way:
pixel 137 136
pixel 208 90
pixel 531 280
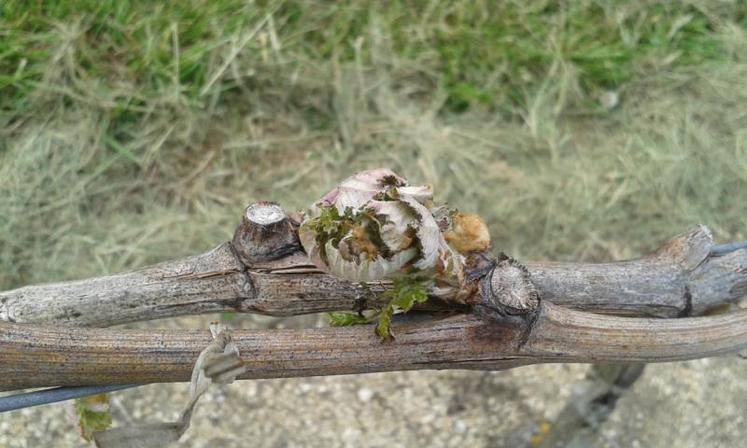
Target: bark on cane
pixel 36 356
pixel 512 328
pixel 684 277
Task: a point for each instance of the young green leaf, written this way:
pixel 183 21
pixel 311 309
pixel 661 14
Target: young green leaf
pixel 408 292
pixel 383 328
pixel 345 319
pixel 93 414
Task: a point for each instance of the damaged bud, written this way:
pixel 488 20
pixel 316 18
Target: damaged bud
pixel 376 226
pixel 468 233
pixel 265 233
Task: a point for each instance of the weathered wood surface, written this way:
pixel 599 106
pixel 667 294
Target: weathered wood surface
pixel 212 282
pixel 681 278
pixel 684 277
pixel 525 314
pixel 35 356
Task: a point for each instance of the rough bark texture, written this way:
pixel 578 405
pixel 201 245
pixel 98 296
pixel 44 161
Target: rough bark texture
pixel 523 314
pixel 35 356
pixel 208 282
pixel 212 282
pixel 681 278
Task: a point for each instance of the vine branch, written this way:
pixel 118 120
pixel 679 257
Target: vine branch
pixel 525 314
pixel 35 356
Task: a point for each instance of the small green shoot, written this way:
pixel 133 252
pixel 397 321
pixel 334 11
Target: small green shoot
pixel 407 291
pixel 346 319
pixel 383 327
pixel 93 414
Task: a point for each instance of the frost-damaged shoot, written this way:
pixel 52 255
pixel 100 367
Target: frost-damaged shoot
pixel 374 227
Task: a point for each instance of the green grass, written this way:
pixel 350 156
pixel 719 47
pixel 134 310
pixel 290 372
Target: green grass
pixel 134 131
pixel 476 52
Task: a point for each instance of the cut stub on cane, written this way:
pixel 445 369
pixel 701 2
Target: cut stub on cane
pixel 265 233
pixel 508 289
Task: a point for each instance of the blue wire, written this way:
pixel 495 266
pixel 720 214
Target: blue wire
pixel 54 395
pixel 723 249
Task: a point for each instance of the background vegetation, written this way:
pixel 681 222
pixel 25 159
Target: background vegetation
pixel 134 131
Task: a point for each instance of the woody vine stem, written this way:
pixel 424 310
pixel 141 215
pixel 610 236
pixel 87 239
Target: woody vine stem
pixel 499 314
